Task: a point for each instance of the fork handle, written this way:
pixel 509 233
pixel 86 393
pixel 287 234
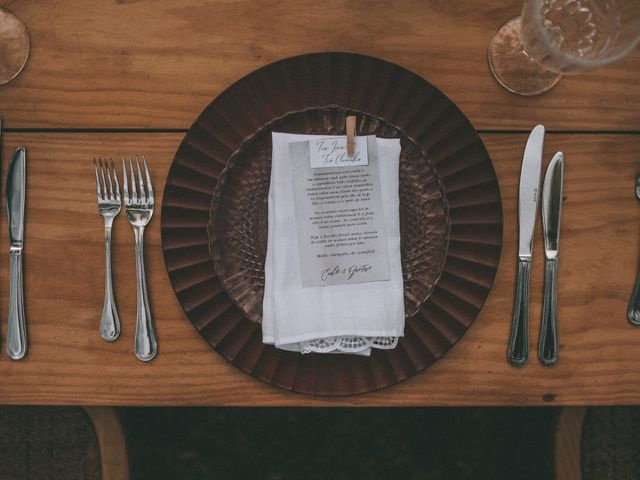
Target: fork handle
pixel 17 328
pixel 518 352
pixel 110 321
pixel 145 343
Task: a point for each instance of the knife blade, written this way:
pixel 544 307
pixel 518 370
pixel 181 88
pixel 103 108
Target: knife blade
pixel 551 213
pixel 15 192
pixel 518 351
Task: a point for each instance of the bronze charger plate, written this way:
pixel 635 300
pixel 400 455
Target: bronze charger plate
pixel 214 214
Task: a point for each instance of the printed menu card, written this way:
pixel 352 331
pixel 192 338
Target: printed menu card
pixel 338 212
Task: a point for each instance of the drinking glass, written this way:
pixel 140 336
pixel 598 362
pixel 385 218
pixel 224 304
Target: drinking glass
pixel 14 46
pixel 530 53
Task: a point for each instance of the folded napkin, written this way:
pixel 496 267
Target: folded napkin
pixel 348 318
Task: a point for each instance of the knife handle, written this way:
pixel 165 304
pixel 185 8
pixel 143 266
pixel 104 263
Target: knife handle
pixel 17 329
pixel 518 352
pixel 633 313
pixel 548 345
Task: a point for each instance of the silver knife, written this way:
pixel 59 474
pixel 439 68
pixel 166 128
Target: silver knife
pixel 551 210
pixel 518 352
pixel 17 330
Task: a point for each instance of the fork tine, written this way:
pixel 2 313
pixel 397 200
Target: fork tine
pixel 134 189
pixel 149 187
pixel 95 166
pixel 104 181
pixel 112 196
pixel 115 178
pixel 143 194
pixel 125 186
pixel 105 167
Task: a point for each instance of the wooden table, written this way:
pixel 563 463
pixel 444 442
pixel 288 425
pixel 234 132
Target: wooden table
pixel 110 76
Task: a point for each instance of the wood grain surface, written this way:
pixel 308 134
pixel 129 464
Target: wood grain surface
pixel 158 63
pixel 68 362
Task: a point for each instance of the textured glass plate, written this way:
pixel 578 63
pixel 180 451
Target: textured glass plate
pixel 238 221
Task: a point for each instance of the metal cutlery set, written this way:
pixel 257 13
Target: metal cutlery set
pixel 518 351
pixel 139 203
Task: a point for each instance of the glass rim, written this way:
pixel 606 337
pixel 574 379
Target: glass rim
pixel 27 38
pixel 572 59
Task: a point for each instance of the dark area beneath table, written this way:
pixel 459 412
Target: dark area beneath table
pixel 283 443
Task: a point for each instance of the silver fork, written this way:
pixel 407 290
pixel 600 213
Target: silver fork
pixel 109 205
pixel 633 313
pixel 139 208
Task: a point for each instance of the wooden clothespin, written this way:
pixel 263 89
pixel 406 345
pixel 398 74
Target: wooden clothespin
pixel 351 135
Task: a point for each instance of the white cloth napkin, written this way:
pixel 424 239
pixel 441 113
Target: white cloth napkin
pixel 336 318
